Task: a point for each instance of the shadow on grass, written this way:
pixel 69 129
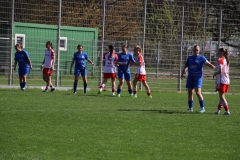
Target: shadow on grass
pixel 160 111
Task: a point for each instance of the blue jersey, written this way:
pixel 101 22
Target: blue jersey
pixel 22 59
pixel 195 64
pixel 80 60
pixel 126 58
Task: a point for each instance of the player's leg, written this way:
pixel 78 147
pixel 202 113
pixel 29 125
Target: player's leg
pixel 101 87
pixel 190 86
pixel 224 89
pixel 76 77
pixel 20 75
pixel 84 77
pixel 119 89
pixel 135 86
pixel 113 79
pixel 50 72
pixel 121 81
pixel 113 86
pixel 198 90
pixel 21 82
pixel 147 88
pixel 127 76
pixel 190 99
pixel 220 103
pixel 24 81
pixel 47 80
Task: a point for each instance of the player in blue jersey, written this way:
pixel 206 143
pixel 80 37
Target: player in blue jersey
pixel 194 65
pixel 123 62
pixel 79 58
pixel 24 65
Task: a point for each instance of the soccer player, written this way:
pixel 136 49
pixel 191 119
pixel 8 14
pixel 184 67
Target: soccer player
pixel 24 65
pixel 109 60
pixel 79 58
pixel 48 66
pixel 123 62
pixel 141 72
pixel 222 80
pixel 194 64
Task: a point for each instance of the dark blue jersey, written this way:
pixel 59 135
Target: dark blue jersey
pixel 22 59
pixel 80 60
pixel 195 64
pixel 126 58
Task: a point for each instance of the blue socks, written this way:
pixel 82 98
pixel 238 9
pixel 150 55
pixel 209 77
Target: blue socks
pixel 201 104
pixel 190 104
pixel 85 87
pixel 74 87
pixel 23 84
pixel 130 91
pixel 119 91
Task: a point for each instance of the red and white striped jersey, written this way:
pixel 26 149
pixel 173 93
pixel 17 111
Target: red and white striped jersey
pixel 49 57
pixel 141 69
pixel 109 62
pixel 223 78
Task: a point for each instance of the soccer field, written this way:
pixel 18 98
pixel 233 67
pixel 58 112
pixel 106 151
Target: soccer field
pixel 62 125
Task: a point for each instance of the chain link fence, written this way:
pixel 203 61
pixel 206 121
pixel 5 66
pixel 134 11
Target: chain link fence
pixel 166 29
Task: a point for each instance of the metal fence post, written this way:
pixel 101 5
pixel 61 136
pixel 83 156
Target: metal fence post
pixel 181 50
pixel 58 44
pixel 103 27
pixel 93 49
pixel 10 77
pixel 158 58
pixel 144 32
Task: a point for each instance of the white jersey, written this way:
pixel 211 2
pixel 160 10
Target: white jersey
pixel 223 78
pixel 49 57
pixel 109 62
pixel 141 69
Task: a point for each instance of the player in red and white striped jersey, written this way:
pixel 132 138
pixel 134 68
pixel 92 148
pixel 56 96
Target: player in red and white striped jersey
pixel 48 66
pixel 222 79
pixel 109 61
pixel 141 72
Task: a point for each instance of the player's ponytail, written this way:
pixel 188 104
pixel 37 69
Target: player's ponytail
pixel 225 54
pixel 110 50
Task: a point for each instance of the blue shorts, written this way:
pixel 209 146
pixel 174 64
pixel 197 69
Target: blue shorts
pixel 83 72
pixel 126 75
pixel 194 81
pixel 23 71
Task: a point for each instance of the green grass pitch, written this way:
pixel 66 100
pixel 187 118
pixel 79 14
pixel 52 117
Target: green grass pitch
pixel 62 125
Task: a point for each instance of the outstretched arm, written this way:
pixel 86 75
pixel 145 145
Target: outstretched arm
pixel 210 65
pixel 90 62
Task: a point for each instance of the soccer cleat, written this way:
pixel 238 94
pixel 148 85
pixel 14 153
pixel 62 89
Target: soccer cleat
pixel 226 113
pixel 52 89
pixel 202 110
pixel 45 90
pixel 23 89
pixel 217 112
pixel 113 93
pixel 74 92
pixel 134 96
pixel 190 109
pixel 99 92
pixel 150 96
pixel 118 95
